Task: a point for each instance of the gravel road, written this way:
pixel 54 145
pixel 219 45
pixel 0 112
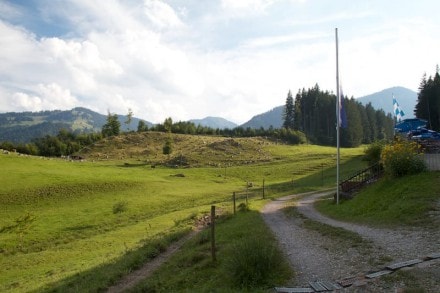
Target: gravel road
pixel 316 257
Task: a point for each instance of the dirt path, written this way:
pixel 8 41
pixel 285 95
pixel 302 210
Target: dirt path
pixel 133 278
pixel 315 257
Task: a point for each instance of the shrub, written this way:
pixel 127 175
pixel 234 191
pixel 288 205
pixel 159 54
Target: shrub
pixel 373 152
pixel 168 147
pixel 402 158
pixel 254 263
pixel 119 207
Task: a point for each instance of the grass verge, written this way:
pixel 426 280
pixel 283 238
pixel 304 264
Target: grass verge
pixel 409 201
pixel 342 237
pixel 247 261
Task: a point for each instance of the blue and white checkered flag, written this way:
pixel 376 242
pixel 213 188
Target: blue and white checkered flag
pixel 397 111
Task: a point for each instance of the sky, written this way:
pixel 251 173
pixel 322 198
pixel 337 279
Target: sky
pixel 189 59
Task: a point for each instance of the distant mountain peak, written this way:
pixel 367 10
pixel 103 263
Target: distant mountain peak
pixel 384 100
pixel 214 122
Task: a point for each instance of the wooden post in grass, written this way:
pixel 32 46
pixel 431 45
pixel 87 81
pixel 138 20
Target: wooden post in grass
pixel 213 233
pixel 233 199
pixel 247 190
pixel 263 189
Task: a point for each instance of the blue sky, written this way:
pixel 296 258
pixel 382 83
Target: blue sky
pixel 190 59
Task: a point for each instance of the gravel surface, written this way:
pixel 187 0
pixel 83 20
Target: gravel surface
pixel 317 257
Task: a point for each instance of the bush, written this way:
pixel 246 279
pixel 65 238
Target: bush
pixel 373 152
pixel 168 147
pixel 254 263
pixel 402 158
pixel 119 207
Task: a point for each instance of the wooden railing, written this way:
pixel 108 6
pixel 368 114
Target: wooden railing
pixel 360 179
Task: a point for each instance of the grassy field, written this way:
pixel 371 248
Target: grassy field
pixel 407 201
pixel 80 226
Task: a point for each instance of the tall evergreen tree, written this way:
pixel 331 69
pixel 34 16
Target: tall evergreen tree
pixel 112 127
pixel 352 135
pixel 366 127
pixel 297 116
pixel 289 112
pixel 428 101
pixel 371 116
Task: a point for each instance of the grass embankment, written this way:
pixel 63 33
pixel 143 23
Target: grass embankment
pixel 409 201
pixel 92 222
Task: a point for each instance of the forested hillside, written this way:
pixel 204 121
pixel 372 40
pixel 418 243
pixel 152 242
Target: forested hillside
pixel 25 127
pixel 315 115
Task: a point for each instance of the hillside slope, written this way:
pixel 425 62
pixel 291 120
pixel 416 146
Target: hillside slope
pixel 406 98
pixel 26 126
pixel 270 118
pixel 214 122
pixel 188 150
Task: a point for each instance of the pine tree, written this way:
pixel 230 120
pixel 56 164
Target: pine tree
pixel 428 101
pixel 289 111
pixel 112 127
pixel 297 117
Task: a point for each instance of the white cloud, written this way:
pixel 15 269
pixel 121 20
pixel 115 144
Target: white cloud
pixel 161 14
pixel 47 97
pixel 152 57
pixel 9 11
pixel 245 7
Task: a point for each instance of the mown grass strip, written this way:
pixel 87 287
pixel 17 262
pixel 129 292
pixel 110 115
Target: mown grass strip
pixel 339 235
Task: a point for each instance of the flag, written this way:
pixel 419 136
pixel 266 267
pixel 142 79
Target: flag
pixel 342 113
pixel 397 111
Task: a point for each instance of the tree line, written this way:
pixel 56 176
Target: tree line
pixel 313 112
pixel 63 144
pixel 309 117
pixel 428 101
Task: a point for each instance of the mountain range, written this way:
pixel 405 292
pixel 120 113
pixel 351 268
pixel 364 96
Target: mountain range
pixel 406 98
pixel 23 127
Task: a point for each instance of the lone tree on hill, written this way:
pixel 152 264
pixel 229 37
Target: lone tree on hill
pixel 129 118
pixel 112 127
pixel 289 112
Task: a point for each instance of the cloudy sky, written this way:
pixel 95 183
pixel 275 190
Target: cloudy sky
pixel 190 59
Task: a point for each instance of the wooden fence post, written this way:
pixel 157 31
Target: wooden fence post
pixel 213 233
pixel 234 200
pixel 247 190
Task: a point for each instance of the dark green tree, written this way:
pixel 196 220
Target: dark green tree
pixel 297 116
pixel 352 135
pixel 428 101
pixel 371 116
pixel 112 127
pixel 168 147
pixel 142 126
pixel 168 124
pixel 289 112
pixel 366 127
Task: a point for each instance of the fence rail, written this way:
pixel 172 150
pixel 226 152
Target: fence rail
pixel 361 178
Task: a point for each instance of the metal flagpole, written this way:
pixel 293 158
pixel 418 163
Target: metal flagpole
pixel 337 117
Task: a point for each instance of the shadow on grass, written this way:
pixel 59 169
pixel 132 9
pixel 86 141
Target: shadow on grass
pixel 98 279
pixel 316 180
pixel 247 260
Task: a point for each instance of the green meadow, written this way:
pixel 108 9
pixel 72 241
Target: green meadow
pixel 80 226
